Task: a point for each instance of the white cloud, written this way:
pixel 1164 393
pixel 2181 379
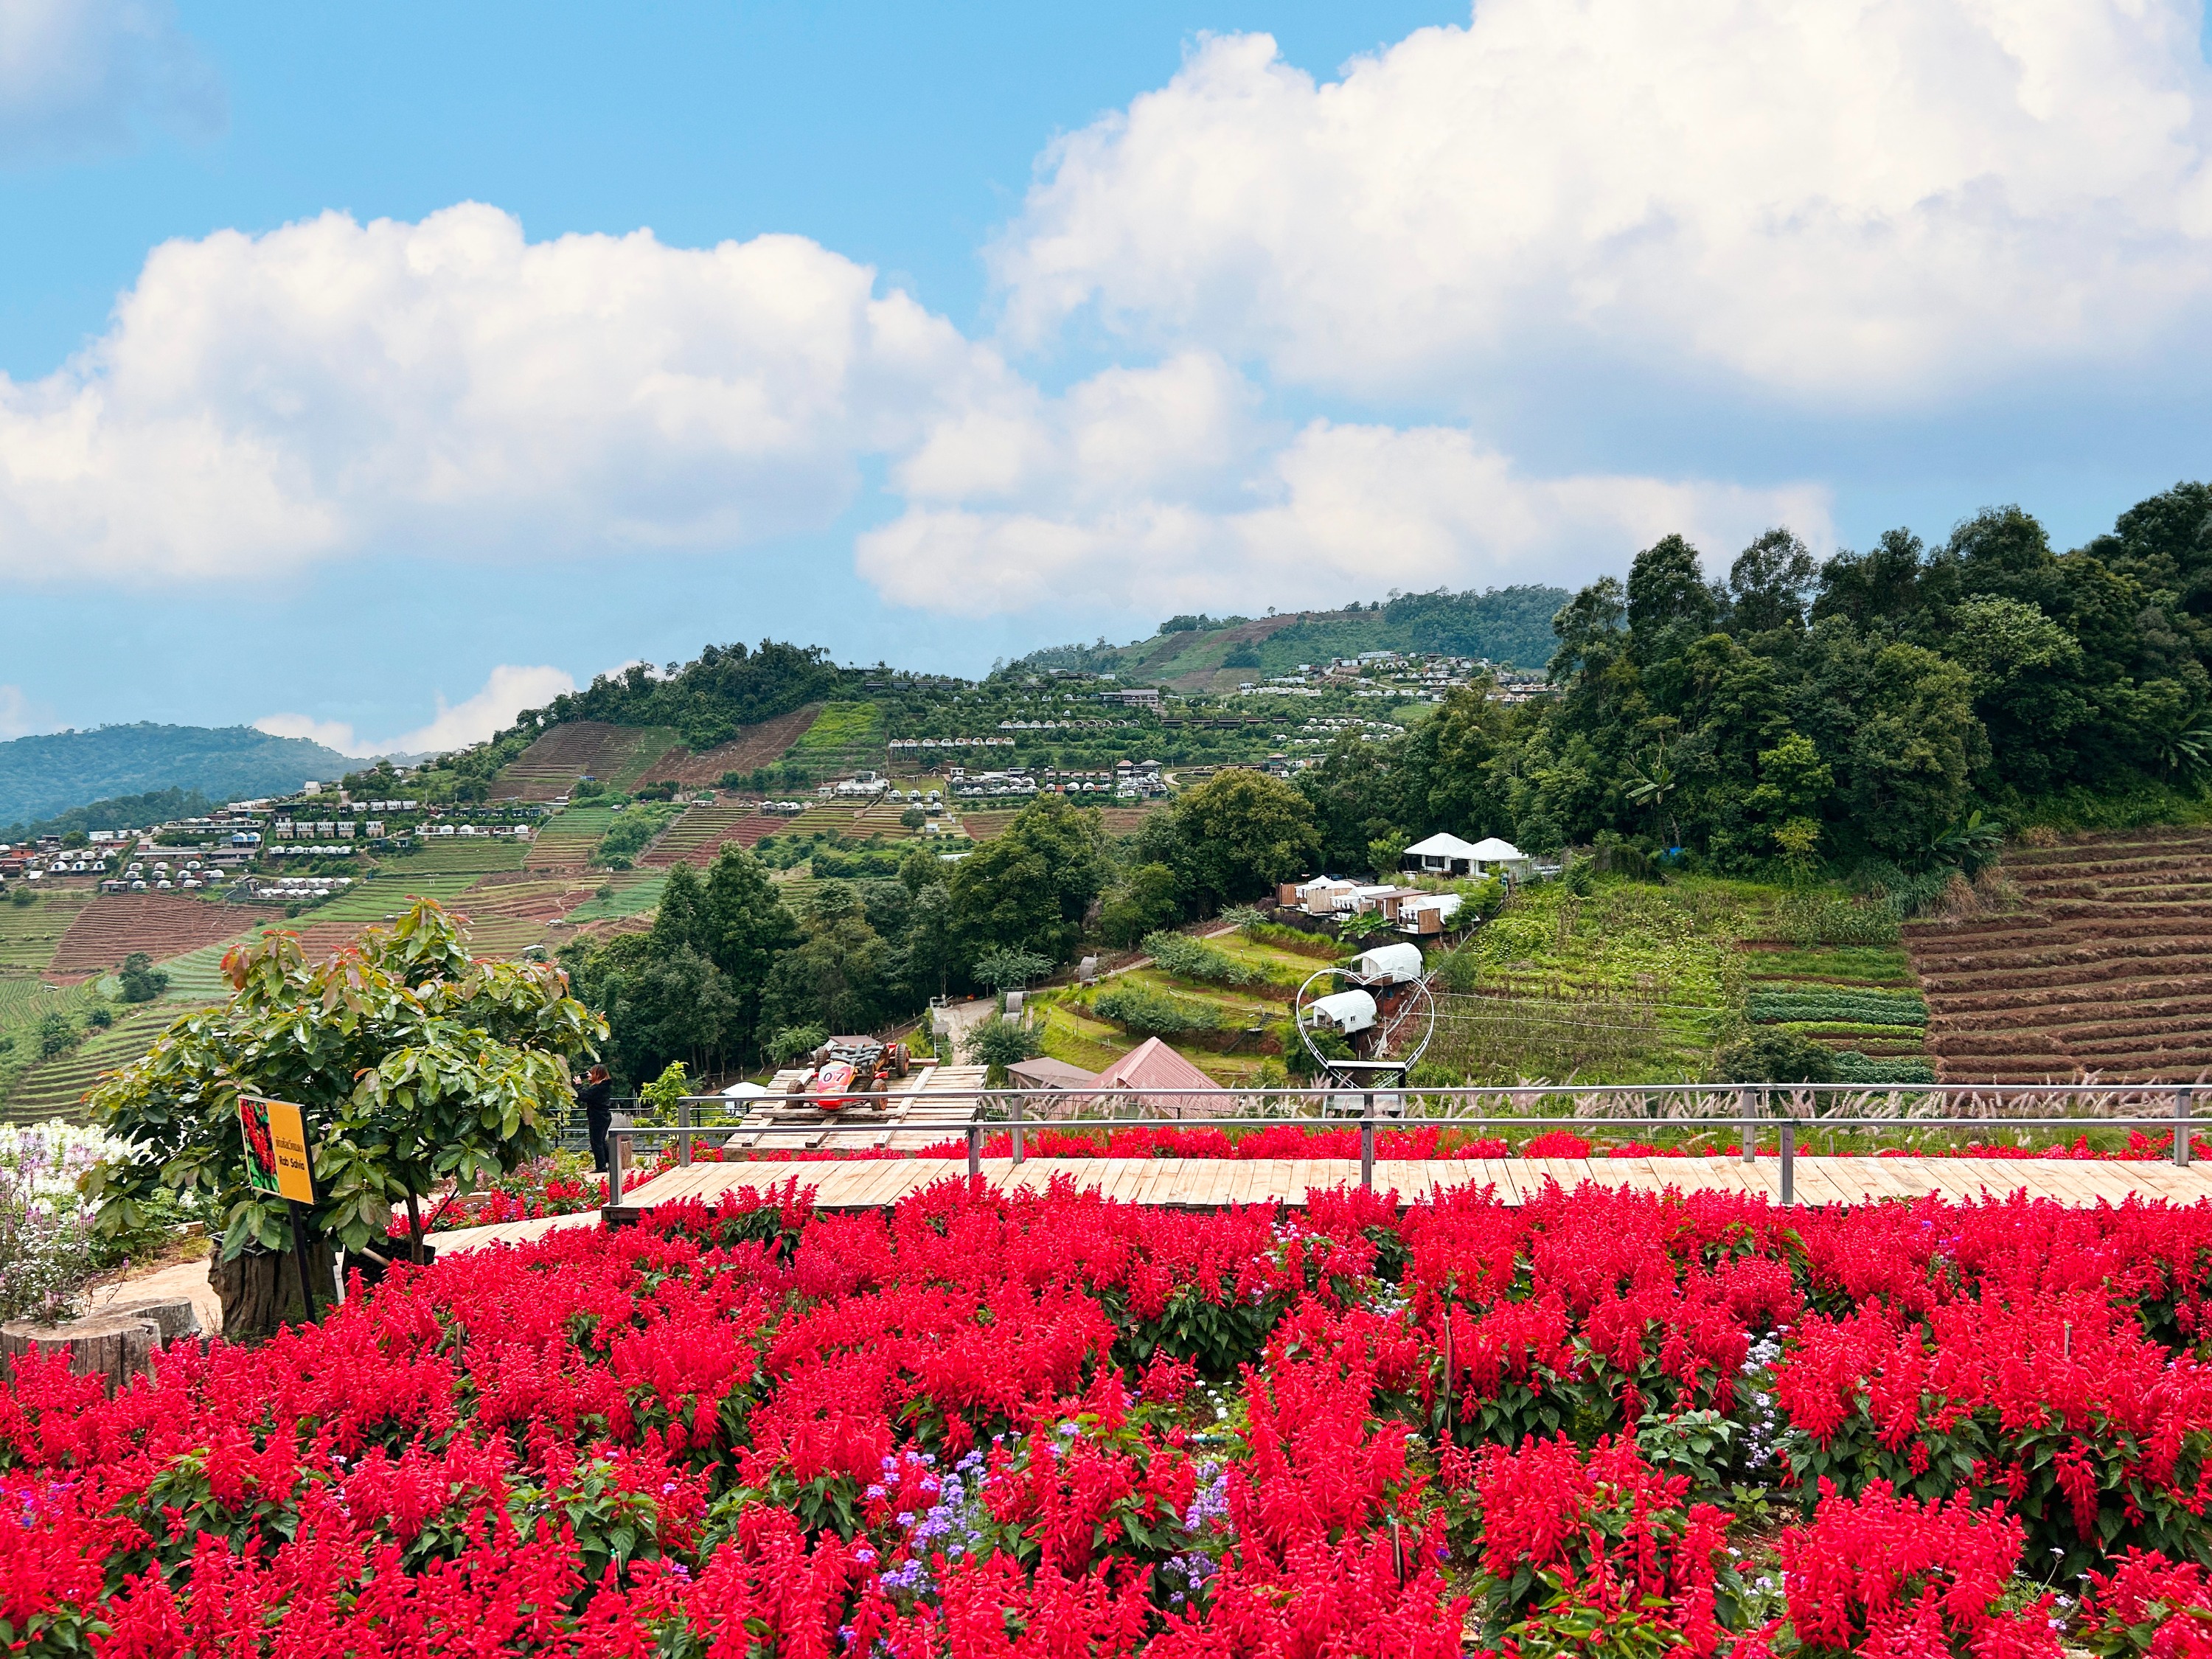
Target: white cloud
pixel 75 75
pixel 1160 489
pixel 260 402
pixel 506 692
pixel 1860 198
pixel 19 716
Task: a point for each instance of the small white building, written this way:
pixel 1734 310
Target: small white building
pixel 1443 855
pixel 1388 964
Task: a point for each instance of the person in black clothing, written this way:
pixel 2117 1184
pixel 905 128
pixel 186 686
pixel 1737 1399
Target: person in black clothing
pixel 594 1091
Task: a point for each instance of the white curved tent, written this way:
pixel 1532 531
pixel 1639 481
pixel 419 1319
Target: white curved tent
pixel 1346 1011
pixel 1389 964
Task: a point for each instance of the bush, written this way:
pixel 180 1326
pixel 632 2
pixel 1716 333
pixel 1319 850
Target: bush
pixel 1773 1057
pixel 1191 958
pixel 997 1043
pixel 99 1017
pixel 1154 1013
pixel 791 1044
pixel 142 980
pixel 23 893
pixel 56 1035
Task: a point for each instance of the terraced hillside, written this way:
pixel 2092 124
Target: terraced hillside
pixel 52 1088
pixel 508 914
pixel 2104 969
pixel 566 841
pixel 696 837
pixel 161 925
pixel 29 933
pixel 549 767
pixel 756 745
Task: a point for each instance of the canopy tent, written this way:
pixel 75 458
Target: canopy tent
pixel 1388 964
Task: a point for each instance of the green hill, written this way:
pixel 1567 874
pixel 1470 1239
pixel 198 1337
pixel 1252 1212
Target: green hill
pixel 1511 626
pixel 43 775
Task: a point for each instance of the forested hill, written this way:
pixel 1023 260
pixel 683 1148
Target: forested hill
pixel 41 776
pixel 1511 626
pixel 709 698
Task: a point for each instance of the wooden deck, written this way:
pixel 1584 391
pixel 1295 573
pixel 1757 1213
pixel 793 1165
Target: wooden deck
pixel 1214 1183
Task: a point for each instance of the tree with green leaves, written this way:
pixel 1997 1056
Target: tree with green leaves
pixel 1031 887
pixel 1241 831
pixel 417 1069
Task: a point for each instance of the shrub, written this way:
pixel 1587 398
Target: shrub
pixel 793 1043
pixel 1191 958
pixel 997 1043
pixel 56 1036
pixel 1154 1013
pixel 1812 919
pixel 1773 1057
pixel 142 980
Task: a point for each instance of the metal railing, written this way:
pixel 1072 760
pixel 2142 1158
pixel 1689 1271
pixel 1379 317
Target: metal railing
pixel 1790 1110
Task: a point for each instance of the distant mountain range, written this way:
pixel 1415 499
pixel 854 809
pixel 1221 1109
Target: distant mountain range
pixel 42 776
pixel 1511 626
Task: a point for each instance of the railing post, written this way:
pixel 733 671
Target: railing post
pixel 1788 1162
pixel 683 1132
pixel 1750 1129
pixel 975 1149
pixel 1367 1146
pixel 2181 1147
pixel 618 1145
pixel 1014 1112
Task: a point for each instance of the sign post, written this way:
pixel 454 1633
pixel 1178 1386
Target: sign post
pixel 276 1161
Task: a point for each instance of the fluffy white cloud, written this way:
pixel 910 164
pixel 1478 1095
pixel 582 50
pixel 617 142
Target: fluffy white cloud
pixel 74 75
pixel 1860 198
pixel 263 401
pixel 506 692
pixel 1160 489
pixel 19 717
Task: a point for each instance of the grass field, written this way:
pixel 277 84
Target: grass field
pixel 29 932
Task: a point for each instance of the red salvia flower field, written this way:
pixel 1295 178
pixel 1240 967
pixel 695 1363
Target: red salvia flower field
pixel 1045 1427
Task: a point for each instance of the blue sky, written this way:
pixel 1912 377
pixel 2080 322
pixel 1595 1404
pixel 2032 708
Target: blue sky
pixel 1064 322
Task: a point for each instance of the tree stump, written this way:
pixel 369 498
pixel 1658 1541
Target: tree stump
pixel 174 1314
pixel 260 1290
pixel 116 1347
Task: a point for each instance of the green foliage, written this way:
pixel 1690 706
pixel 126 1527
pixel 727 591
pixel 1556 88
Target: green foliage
pixel 142 980
pixel 997 1043
pixel 1031 887
pixel 628 836
pixel 1190 959
pixel 415 1066
pixel 1771 1056
pixel 1005 970
pixel 57 1034
pixel 1239 833
pixel 1148 1012
pixel 1771 1004
pixel 1149 897
pixel 708 699
pixel 137 811
pixel 667 1090
pixel 1814 918
pixel 1852 1067
pixel 793 1043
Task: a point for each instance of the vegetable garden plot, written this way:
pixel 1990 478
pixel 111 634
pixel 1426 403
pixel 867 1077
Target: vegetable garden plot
pixel 1048 1425
pixel 2107 971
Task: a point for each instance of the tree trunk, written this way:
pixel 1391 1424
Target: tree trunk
pixel 174 1316
pixel 260 1290
pixel 111 1346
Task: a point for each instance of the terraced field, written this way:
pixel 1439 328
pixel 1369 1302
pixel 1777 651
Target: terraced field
pixel 628 893
pixel 510 914
pixel 2104 969
pixel 471 854
pixel 756 745
pixel 1853 999
pixel 29 933
pixel 566 841
pixel 696 837
pixel 843 738
pixel 51 1088
pixel 161 925
pixel 617 755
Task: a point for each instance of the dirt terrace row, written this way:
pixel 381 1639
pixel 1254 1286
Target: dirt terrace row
pixel 2105 971
pixel 755 745
pixel 117 925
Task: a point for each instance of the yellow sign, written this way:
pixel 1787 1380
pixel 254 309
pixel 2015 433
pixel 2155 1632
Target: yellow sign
pixel 276 1148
